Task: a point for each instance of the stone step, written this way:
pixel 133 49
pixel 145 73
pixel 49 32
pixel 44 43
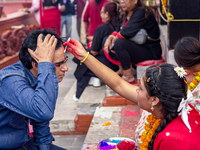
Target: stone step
pixel 114 99
pixel 65 114
pixel 68 112
pixel 91 98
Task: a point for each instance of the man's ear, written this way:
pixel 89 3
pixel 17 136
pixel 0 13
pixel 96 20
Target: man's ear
pixel 35 65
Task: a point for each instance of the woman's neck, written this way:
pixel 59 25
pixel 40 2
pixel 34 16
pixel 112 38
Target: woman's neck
pixel 129 15
pixel 157 112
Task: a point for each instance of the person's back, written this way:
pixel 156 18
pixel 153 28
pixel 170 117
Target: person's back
pixel 176 132
pixel 50 16
pixel 92 15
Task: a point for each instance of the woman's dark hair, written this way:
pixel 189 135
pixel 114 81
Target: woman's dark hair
pixel 187 52
pixel 97 1
pixel 141 5
pixel 113 10
pixel 164 83
pixel 31 42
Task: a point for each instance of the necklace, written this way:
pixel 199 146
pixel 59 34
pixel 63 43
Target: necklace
pixel 194 82
pixel 191 87
pixel 150 129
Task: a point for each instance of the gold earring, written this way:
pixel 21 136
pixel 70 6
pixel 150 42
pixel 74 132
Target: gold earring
pixel 152 107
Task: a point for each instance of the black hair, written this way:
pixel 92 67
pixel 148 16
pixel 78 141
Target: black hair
pixel 97 1
pixel 165 84
pixel 187 52
pixel 113 10
pixel 147 9
pixel 31 42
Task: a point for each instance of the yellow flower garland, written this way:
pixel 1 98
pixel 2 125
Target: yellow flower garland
pixel 194 82
pixel 150 129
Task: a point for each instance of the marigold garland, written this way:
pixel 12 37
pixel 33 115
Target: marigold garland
pixel 192 86
pixel 194 82
pixel 150 129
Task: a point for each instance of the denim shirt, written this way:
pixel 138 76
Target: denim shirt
pixel 24 97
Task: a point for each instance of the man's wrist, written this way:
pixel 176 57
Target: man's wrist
pixel 45 60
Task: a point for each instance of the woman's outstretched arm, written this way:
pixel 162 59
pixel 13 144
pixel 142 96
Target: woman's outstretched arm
pixel 108 76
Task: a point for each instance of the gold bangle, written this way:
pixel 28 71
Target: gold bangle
pixel 111 36
pixel 85 57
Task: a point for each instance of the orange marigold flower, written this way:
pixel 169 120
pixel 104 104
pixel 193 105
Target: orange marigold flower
pixel 195 82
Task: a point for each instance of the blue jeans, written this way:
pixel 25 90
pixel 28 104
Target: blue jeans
pixel 30 145
pixel 67 21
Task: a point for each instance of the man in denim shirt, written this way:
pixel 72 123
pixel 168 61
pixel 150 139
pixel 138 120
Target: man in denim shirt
pixel 28 91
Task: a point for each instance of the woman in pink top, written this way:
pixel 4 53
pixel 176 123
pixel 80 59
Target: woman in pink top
pixel 92 18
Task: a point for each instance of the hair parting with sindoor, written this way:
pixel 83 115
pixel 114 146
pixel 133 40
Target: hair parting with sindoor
pixel 165 84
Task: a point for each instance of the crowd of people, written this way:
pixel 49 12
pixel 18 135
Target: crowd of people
pixel 126 20
pixel 167 94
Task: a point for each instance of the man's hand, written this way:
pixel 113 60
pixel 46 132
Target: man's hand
pixel 45 49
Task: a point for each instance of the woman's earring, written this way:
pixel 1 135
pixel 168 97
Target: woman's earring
pixel 152 107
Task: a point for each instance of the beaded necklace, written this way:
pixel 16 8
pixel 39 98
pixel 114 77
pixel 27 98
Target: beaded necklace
pixel 150 129
pixel 194 82
pixel 192 86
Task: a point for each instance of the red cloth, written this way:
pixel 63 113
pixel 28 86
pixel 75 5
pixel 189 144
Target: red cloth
pixel 151 62
pixel 143 63
pixel 80 7
pixel 92 15
pixel 50 18
pixel 119 36
pixel 114 33
pixel 176 135
pixel 116 62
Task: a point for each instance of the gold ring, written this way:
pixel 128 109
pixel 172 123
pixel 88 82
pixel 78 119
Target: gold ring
pixel 106 47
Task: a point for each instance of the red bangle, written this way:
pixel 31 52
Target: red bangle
pixel 120 36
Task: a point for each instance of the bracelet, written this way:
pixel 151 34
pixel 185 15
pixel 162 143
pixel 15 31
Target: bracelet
pixel 85 57
pixel 111 36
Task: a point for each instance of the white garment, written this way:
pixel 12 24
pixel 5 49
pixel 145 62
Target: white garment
pixel 35 8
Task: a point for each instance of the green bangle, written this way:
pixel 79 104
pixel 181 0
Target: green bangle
pixel 85 57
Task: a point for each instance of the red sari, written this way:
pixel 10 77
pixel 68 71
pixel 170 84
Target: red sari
pixel 176 135
pixel 50 18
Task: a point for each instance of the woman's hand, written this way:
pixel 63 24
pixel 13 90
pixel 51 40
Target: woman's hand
pixel 108 44
pixel 76 48
pixel 114 39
